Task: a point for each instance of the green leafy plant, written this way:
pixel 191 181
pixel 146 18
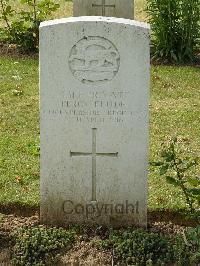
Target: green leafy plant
pixel 139 247
pixel 187 247
pixel 33 148
pixel 36 245
pixel 179 170
pixel 192 239
pixel 22 27
pixel 175 29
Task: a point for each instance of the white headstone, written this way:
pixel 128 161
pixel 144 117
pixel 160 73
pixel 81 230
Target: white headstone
pixel 108 8
pixel 94 89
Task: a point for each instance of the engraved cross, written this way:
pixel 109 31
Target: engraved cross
pixel 103 6
pixel 94 154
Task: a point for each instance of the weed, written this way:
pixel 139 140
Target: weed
pixel 178 171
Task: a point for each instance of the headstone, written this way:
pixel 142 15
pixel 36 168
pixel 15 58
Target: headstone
pixel 108 8
pixel 94 80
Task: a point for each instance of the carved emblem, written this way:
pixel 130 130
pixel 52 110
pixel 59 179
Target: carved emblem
pixel 94 60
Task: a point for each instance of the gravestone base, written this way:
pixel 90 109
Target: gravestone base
pixel 95 213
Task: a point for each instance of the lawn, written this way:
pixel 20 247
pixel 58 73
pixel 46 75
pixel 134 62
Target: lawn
pixel 175 110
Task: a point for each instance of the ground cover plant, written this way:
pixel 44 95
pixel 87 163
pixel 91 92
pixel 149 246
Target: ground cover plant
pixel 192 239
pixel 38 245
pixel 139 247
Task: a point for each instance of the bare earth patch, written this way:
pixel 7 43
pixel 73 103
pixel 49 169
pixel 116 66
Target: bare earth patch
pixel 11 50
pixel 5 257
pixel 84 254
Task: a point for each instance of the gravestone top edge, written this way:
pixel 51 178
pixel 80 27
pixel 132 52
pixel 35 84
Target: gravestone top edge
pixel 135 23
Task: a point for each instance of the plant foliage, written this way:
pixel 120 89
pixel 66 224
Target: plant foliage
pixel 142 248
pixel 36 245
pixel 180 171
pixel 192 236
pixel 22 27
pixel 176 29
pixel 139 247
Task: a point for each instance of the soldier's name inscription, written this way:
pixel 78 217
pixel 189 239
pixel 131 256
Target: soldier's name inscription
pixel 97 107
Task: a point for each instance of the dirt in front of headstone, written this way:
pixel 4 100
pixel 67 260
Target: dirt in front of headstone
pixel 4 248
pixel 13 222
pixel 13 51
pixel 5 257
pixel 85 254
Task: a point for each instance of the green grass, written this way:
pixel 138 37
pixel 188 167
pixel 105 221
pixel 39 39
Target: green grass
pixel 175 110
pixel 19 131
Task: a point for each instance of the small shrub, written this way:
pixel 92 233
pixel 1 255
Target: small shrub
pixel 179 171
pixel 139 247
pixel 192 236
pixel 175 29
pixel 187 247
pixel 34 246
pixel 142 248
pixel 22 27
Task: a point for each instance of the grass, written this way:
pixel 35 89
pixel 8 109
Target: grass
pixel 19 131
pixel 175 110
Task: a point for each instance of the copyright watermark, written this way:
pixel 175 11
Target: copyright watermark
pixel 98 209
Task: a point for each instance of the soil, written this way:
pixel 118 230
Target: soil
pixel 83 253
pixel 14 52
pixel 167 216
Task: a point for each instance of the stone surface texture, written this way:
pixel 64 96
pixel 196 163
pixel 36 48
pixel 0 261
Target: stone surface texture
pixel 94 91
pixel 108 8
